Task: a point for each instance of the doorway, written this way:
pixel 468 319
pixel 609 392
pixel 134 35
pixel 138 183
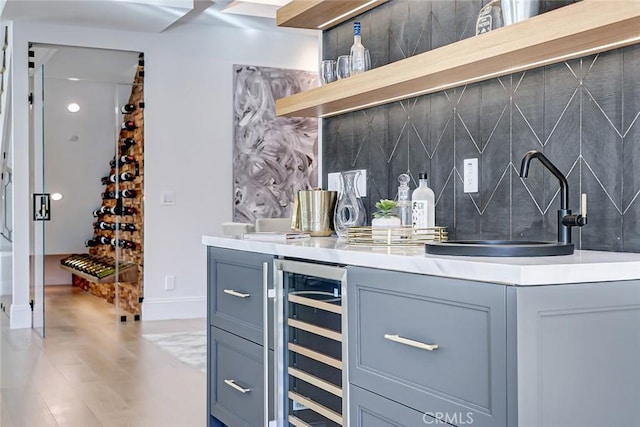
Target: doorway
pixel 76 142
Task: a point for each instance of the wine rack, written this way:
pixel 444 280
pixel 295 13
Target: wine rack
pixel 98 269
pixel 122 213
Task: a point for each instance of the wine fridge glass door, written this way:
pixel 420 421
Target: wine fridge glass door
pixel 313 334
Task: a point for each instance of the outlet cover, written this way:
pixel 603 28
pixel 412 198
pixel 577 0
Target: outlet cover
pixel 169 283
pixel 333 182
pixel 470 175
pixel 168 198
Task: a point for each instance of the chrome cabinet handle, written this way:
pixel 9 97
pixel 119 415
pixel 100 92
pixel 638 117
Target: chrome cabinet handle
pixel 236 293
pixel 412 343
pixel 232 384
pixel 265 342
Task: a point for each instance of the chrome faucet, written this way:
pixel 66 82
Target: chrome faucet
pixel 566 219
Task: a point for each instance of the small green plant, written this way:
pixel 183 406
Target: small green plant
pixel 386 208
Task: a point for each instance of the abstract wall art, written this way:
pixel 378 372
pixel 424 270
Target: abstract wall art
pixel 273 157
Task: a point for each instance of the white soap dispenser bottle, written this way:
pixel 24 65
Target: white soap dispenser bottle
pixel 423 204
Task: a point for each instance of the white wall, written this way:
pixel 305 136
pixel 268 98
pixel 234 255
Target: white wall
pixel 188 134
pixel 73 167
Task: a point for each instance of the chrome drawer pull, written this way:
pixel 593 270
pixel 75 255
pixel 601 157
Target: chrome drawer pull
pixel 232 383
pixel 236 293
pixel 412 343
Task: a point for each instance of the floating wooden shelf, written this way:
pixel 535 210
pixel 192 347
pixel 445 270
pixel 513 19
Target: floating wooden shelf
pixel 580 29
pixel 127 273
pixel 321 14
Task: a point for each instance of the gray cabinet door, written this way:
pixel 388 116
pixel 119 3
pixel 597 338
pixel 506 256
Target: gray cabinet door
pixel 370 410
pixel 236 291
pixel 392 315
pixel 237 382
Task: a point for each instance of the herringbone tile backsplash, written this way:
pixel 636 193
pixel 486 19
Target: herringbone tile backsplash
pixel 583 114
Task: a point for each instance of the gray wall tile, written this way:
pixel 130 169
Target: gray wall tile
pixel 548 109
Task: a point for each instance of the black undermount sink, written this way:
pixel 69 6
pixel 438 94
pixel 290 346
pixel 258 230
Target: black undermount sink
pixel 498 248
pixel 523 248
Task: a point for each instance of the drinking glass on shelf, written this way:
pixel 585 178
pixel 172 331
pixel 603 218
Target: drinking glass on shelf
pixel 367 60
pixel 328 71
pixel 344 66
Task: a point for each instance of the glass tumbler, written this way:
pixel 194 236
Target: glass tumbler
pixel 367 60
pixel 344 66
pixel 328 71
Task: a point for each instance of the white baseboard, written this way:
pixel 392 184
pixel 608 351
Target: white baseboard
pixel 174 308
pixel 20 316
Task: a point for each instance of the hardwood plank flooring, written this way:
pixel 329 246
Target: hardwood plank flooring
pixel 93 370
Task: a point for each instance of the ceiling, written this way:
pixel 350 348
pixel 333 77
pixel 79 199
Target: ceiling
pixel 144 15
pixel 86 64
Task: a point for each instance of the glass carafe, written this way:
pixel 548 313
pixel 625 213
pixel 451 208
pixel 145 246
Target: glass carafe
pixel 350 210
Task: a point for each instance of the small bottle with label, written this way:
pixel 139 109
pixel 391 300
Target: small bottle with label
pixel 489 18
pixel 423 204
pixel 404 204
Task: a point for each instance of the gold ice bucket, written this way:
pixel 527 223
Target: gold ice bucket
pixel 313 212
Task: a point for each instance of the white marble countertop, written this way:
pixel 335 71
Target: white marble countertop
pixel 582 266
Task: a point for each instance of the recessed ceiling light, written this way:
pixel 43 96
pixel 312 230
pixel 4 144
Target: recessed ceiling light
pixel 56 196
pixel 73 107
pixel 73 79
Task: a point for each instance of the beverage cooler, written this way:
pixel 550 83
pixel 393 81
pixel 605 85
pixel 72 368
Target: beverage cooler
pixel 311 324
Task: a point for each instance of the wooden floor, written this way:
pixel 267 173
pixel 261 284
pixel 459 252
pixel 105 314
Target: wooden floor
pixel 92 370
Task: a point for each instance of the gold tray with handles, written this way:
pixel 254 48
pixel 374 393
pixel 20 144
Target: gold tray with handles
pixel 395 236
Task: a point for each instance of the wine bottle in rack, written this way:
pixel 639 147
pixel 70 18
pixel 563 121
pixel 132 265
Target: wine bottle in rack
pixel 91 242
pixel 103 240
pixel 124 176
pixel 102 225
pixel 126 144
pixel 125 244
pixel 125 194
pixel 122 160
pixel 128 125
pixel 97 213
pixel 127 226
pixel 122 210
pixel 128 108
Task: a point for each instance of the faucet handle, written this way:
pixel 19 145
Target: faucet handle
pixel 581 219
pixel 577 220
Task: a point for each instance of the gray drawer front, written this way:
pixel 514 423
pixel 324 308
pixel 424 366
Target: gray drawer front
pixel 370 410
pixel 240 272
pixel 465 319
pixel 234 358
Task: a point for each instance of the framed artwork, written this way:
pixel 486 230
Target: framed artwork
pixel 273 157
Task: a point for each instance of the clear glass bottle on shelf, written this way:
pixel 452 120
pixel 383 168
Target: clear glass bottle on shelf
pixel 350 211
pixel 358 57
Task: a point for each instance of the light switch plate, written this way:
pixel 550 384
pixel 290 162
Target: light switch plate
pixel 471 175
pixel 168 198
pixel 333 182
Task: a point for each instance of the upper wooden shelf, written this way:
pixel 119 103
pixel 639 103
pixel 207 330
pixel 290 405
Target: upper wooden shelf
pixel 580 29
pixel 321 14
